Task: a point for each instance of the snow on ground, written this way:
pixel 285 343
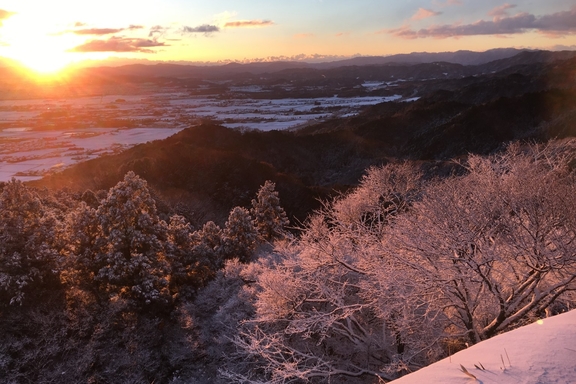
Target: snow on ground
pixel 540 353
pixel 40 152
pixel 27 153
pixel 411 99
pixel 266 114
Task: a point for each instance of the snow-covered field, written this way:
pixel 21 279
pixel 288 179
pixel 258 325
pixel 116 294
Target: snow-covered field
pixel 30 154
pixel 540 353
pixel 32 144
pixel 266 115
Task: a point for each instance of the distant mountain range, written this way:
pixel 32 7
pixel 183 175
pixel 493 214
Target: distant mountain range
pixel 463 57
pixel 343 77
pixel 454 116
pixel 492 60
pixel 458 57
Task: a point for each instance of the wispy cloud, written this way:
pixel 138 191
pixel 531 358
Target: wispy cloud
pixel 248 24
pixel 560 47
pixel 447 3
pixel 157 31
pixel 308 58
pixel 501 11
pixel 555 24
pixel 423 13
pixel 224 17
pixel 119 44
pixel 205 29
pixel 97 31
pixel 5 15
pixel 558 23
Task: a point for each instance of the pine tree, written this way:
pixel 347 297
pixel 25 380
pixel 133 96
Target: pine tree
pixel 128 255
pixel 208 246
pixel 29 256
pixel 240 235
pixel 187 272
pixel 269 217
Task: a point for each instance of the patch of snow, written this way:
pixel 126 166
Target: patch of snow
pixel 15 129
pixel 36 152
pixel 540 353
pixel 247 88
pixel 28 154
pixel 372 84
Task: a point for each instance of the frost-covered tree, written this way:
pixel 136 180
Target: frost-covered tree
pixel 180 251
pixel 219 308
pixel 314 320
pixel 122 244
pixel 208 245
pixel 239 236
pixel 491 249
pixel 269 217
pixel 29 243
pixel 463 259
pixel 194 256
pixel 384 193
pixel 311 322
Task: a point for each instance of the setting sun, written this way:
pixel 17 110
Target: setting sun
pixel 41 49
pixel 47 64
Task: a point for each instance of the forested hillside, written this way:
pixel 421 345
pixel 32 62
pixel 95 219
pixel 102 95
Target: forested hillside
pixel 208 169
pixel 389 277
pixel 355 250
pixel 401 272
pixel 97 288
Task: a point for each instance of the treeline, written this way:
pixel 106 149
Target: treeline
pixel 209 169
pixel 404 271
pixel 76 273
pixel 401 271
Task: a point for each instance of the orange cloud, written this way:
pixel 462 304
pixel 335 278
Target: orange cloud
pixel 502 10
pixel 447 3
pixel 248 24
pixel 119 44
pixel 97 31
pixel 423 13
pixel 556 24
pixel 4 15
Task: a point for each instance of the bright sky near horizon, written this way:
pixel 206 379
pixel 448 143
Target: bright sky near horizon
pixel 46 35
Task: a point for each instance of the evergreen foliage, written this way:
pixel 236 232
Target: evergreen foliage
pixel 208 245
pixel 30 236
pixel 269 217
pixel 378 282
pixel 239 237
pixel 123 245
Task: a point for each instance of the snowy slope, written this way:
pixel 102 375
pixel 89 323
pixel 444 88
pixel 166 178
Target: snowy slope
pixel 540 353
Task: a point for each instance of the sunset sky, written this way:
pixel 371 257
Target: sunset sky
pixel 46 35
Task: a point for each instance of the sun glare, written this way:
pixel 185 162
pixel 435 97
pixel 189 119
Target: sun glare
pixel 40 50
pixel 45 65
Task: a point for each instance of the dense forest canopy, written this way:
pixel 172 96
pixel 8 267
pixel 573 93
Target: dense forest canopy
pixel 353 250
pixel 382 280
